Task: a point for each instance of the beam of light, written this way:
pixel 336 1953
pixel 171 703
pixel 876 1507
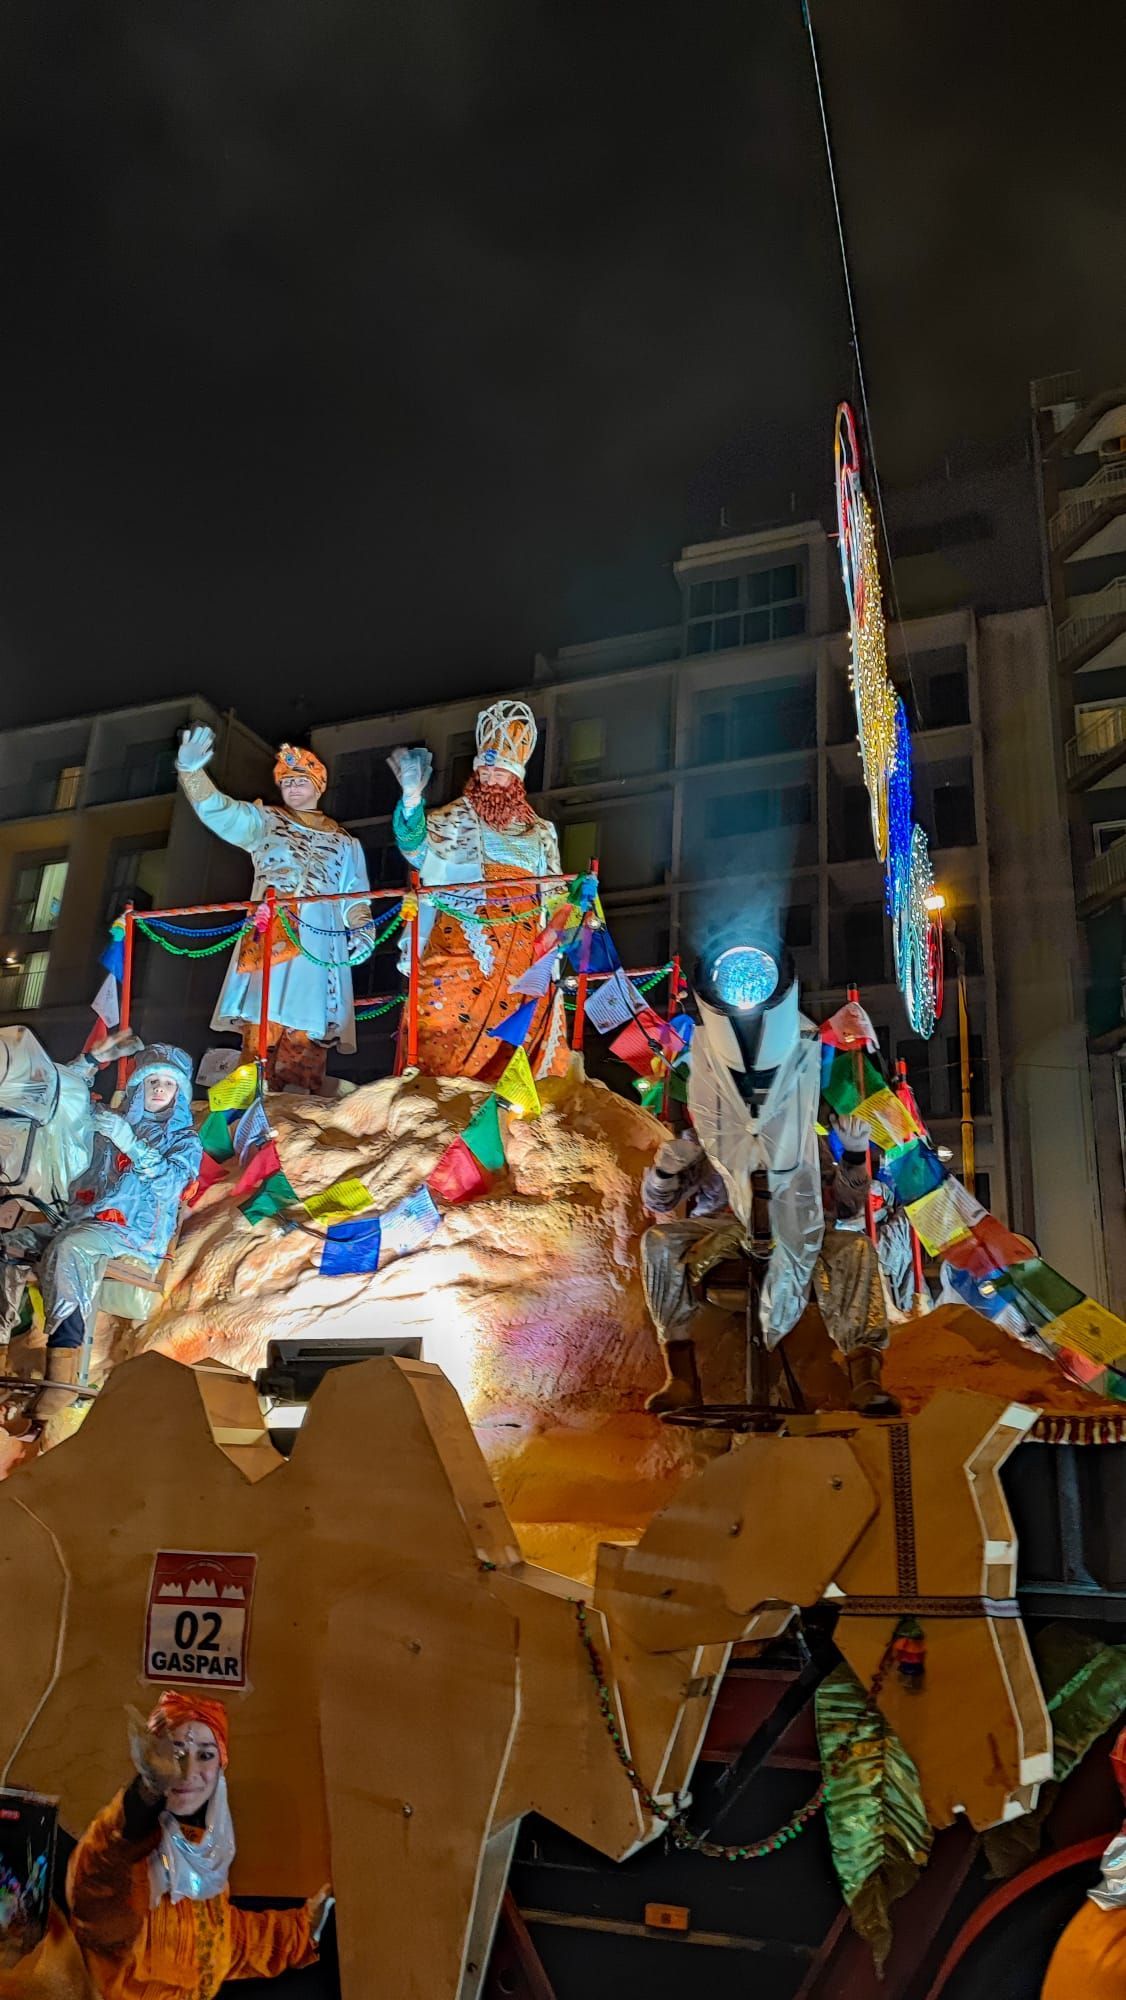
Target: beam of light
pixel 744 977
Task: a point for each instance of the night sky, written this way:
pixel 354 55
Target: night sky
pixel 354 351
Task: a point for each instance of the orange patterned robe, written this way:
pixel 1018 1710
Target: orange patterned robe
pixel 473 950
pixel 177 1951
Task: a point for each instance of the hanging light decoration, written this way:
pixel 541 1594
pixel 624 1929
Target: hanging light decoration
pixel 885 747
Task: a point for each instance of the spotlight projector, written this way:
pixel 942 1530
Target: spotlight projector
pixel 747 994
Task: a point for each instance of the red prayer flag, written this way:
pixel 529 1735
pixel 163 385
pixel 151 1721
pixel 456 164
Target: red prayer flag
pixel 210 1172
pixel 258 1169
pixel 988 1247
pixel 457 1176
pixel 643 1038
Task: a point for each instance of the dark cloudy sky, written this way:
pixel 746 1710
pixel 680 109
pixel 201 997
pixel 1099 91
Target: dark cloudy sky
pixel 353 350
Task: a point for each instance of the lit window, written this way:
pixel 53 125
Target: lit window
pixel 37 896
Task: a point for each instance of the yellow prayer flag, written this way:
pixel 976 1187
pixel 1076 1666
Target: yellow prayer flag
pixel 517 1087
pixel 235 1092
pixel 939 1219
pixel 891 1122
pixel 346 1197
pixel 1091 1330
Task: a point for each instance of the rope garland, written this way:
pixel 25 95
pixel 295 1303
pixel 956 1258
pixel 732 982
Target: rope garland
pixel 335 964
pixel 642 985
pixel 673 1817
pixel 187 951
pixel 194 930
pixel 384 1007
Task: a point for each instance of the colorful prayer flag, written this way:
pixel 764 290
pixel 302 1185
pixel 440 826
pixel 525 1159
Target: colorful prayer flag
pixel 592 950
pixel 458 1175
pixel 850 1079
pixel 890 1121
pixel 538 978
pixel 211 1172
pixel 113 957
pixel 252 1129
pixel 849 1028
pixel 483 1137
pixel 261 1164
pixel 514 1029
pixel 351 1246
pixel 643 1037
pixel 215 1136
pixel 236 1091
pixel 912 1171
pixel 613 1003
pixel 989 1247
pixel 345 1197
pixel 1042 1291
pixel 944 1216
pixel 1092 1331
pixel 517 1087
pixel 107 1002
pixel 273 1195
pixel 411 1221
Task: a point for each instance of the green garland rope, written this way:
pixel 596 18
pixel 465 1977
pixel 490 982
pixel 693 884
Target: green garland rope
pixel 673 1818
pixel 330 964
pixel 187 950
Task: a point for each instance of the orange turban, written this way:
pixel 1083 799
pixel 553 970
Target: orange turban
pixel 175 1708
pixel 293 763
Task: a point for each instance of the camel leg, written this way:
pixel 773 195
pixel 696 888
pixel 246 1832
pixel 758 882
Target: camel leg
pixel 419 1706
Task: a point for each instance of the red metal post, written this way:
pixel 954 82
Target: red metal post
pixel 580 994
pixel 267 968
pixel 674 1001
pixel 124 1065
pixel 412 990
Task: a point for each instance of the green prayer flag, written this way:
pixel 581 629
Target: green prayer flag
pixel 273 1195
pixel 851 1079
pixel 1044 1288
pixel 215 1136
pixel 483 1137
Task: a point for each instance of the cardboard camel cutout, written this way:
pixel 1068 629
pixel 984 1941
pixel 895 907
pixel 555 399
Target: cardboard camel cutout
pixel 413 1687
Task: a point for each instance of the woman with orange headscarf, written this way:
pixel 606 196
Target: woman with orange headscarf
pixel 148 1880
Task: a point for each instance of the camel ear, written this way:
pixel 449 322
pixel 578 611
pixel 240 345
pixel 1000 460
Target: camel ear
pixel 719 1555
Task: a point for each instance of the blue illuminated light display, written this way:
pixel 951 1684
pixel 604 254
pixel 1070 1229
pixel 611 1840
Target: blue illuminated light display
pixel 744 977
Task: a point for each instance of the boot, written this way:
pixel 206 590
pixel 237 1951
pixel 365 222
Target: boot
pixel 865 1372
pixel 62 1367
pixel 681 1387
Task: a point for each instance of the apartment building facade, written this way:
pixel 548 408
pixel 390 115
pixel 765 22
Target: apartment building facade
pixel 711 765
pixel 91 818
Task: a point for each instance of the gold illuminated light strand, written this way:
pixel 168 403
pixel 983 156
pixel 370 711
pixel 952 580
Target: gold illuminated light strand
pixel 872 690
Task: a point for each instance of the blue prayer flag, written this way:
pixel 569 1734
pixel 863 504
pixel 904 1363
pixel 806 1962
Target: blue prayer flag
pixel 351 1246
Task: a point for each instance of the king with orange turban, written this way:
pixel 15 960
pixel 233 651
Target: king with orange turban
pixel 475 942
pixel 297 851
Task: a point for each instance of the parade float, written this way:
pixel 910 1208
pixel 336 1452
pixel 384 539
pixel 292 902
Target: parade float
pixel 375 1449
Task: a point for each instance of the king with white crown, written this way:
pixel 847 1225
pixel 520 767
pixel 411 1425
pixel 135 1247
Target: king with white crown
pixel 474 942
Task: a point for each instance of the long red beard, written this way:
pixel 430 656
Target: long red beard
pixel 503 807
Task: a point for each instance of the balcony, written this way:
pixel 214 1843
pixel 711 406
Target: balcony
pixel 55 793
pixel 1090 522
pixel 1098 748
pixel 1094 633
pixel 1106 879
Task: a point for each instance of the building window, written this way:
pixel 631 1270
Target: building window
pixel 586 749
pixel 66 791
pixel 135 875
pixel 752 610
pixel 864 930
pixel 149 769
pixel 954 821
pixel 461 753
pixel 37 895
pixel 1099 726
pixel 578 844
pixel 756 722
pixel 797 927
pixel 1105 832
pixel 946 701
pixel 758 812
pixel 22 982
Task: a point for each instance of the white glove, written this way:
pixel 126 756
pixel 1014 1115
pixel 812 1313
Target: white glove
pixel 855 1134
pixel 155 1758
pixel 115 1128
pixel 360 948
pixel 413 769
pixel 677 1154
pixel 196 747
